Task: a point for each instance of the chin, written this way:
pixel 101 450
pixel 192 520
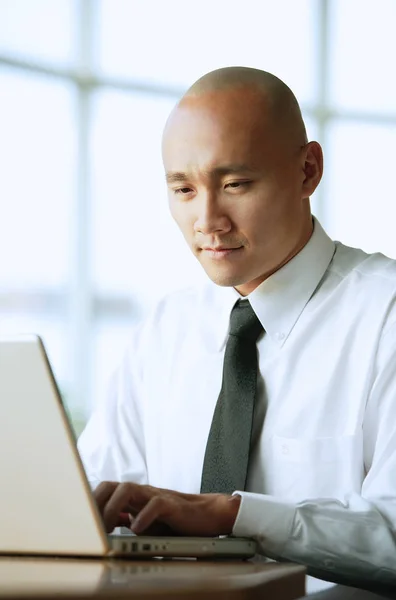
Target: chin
pixel 224 279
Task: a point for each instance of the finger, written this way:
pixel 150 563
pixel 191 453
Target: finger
pixel 103 492
pixel 124 520
pixel 127 497
pixel 158 508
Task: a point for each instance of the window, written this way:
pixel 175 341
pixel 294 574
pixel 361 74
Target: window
pixel 83 102
pixel 181 41
pixel 361 57
pixel 359 198
pixel 42 30
pixel 37 191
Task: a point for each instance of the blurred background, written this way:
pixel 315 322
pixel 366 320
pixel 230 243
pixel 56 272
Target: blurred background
pixel 86 242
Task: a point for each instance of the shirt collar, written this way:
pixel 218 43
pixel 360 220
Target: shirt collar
pixel 280 299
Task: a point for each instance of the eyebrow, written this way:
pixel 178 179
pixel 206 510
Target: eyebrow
pixel 232 169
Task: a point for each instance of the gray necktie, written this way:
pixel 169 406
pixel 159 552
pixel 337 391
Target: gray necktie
pixel 227 450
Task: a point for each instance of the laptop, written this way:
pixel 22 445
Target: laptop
pixel 47 506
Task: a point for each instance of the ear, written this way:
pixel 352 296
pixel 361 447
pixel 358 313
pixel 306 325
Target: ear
pixel 312 167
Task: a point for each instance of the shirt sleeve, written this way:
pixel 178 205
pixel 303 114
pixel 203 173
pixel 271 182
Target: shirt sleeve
pixel 349 540
pixel 112 444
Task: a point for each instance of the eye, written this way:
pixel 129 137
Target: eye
pixel 183 191
pixel 234 185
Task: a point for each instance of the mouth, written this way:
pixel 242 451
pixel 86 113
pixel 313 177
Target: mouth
pixel 220 252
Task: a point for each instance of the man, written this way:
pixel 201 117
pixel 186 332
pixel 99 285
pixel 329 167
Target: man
pixel 272 390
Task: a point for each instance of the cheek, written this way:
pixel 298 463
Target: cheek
pixel 259 218
pixel 254 213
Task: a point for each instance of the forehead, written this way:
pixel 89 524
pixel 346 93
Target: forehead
pixel 216 128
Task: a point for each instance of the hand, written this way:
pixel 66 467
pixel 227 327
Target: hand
pixel 156 511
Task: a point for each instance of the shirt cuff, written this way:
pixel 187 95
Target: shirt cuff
pixel 266 519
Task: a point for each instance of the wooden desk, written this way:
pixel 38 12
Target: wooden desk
pixel 73 579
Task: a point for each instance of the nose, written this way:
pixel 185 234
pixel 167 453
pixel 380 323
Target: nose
pixel 211 216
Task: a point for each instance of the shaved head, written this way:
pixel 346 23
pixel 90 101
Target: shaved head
pixel 278 101
pixel 240 173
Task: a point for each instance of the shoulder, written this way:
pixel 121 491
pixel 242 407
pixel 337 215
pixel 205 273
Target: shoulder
pixel 368 281
pixel 358 267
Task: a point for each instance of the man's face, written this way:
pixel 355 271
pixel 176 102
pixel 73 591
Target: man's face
pixel 236 187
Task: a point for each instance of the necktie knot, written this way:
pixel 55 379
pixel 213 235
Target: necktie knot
pixel 244 322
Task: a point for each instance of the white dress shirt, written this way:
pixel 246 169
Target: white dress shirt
pixel 322 474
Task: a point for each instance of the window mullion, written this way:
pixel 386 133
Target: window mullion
pixel 81 289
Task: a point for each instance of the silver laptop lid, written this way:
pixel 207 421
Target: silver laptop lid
pixel 46 504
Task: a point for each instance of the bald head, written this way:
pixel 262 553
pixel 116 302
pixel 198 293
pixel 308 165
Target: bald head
pixel 278 103
pixel 239 77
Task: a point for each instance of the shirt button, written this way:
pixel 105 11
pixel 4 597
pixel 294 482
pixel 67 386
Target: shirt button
pixel 279 336
pixel 329 563
pixel 285 449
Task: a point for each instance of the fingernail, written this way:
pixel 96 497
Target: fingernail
pixel 135 526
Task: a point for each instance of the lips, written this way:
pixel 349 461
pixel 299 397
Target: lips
pixel 221 248
pixel 221 252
